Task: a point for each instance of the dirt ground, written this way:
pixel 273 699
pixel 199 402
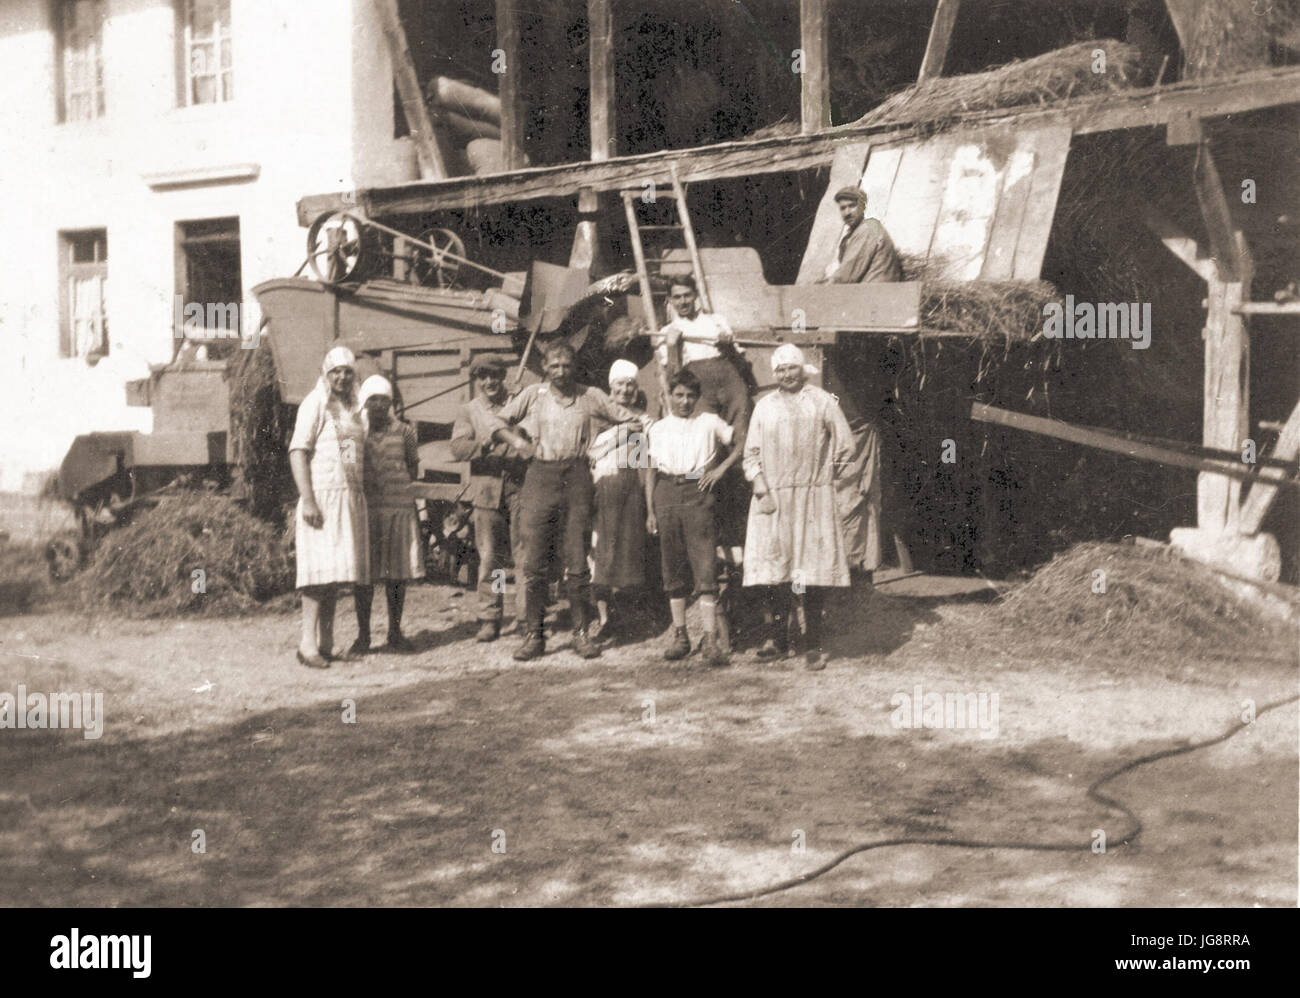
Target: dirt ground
pixel 471 779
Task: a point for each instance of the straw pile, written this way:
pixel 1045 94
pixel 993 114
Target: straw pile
pixel 1053 76
pixel 1153 600
pixel 150 566
pixel 260 426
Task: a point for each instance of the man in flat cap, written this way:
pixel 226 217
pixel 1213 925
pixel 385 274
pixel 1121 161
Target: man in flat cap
pixel 864 252
pixel 496 475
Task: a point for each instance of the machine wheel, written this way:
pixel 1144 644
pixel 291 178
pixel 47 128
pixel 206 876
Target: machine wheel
pixel 64 556
pixel 337 247
pixel 434 269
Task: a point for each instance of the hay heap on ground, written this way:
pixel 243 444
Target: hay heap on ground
pixel 1153 599
pixel 260 426
pixel 1053 76
pixel 150 565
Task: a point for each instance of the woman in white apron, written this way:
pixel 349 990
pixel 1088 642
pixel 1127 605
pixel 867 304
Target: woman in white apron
pixel 327 455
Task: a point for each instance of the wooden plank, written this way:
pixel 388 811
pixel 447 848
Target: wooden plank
pixel 1179 243
pixel 429 154
pixel 1052 149
pixel 1262 493
pixel 846 168
pixel 936 48
pixel 910 209
pixel 1101 440
pixel 600 30
pixel 961 230
pixel 1226 243
pixel 510 88
pixel 815 80
pixel 879 178
pixel 1013 203
pixel 1139 108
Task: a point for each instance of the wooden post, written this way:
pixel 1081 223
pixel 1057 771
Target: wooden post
pixel 936 49
pixel 509 89
pixel 1226 405
pixel 1224 421
pixel 429 154
pixel 584 250
pixel 600 28
pixel 814 40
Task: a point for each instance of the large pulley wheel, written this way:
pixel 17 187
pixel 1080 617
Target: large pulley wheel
pixel 439 266
pixel 336 247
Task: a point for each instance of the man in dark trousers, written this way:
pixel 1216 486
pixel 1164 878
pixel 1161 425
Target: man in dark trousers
pixel 559 419
pixel 496 478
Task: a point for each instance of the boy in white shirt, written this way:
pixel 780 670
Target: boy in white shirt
pixel 689 453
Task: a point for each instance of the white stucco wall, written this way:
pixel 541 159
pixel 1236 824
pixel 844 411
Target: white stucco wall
pixel 313 111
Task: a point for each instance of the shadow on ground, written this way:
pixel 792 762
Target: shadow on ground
pixel 642 785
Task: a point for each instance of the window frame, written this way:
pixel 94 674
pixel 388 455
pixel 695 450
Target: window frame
pixel 221 42
pixel 63 18
pixel 72 270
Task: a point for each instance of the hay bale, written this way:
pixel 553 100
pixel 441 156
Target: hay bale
pixel 149 566
pixel 1053 76
pixel 1153 599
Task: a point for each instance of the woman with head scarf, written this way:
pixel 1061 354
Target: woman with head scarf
pixel 326 454
pixel 619 536
pixel 799 445
pixel 392 462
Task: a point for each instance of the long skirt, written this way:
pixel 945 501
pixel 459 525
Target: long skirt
pixel 395 553
pixel 338 550
pixel 619 545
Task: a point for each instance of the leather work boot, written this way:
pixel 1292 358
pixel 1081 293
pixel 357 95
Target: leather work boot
pixel 680 647
pixel 583 646
pixel 488 631
pixel 534 646
pixel 712 653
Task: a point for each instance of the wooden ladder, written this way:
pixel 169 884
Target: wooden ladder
pixel 675 194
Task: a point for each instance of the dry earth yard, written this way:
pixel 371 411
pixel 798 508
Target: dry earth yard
pixel 626 780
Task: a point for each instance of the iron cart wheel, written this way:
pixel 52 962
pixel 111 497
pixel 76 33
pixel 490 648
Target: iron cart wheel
pixel 337 247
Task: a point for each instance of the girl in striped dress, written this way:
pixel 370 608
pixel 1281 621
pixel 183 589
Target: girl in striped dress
pixel 395 550
pixel 331 536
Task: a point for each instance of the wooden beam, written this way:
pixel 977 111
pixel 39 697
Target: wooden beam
pixel 428 150
pixel 1102 440
pixel 815 80
pixel 510 87
pixel 1231 256
pixel 1184 15
pixel 1150 107
pixel 600 30
pixel 936 49
pixel 1263 492
pixel 1180 244
pixel 1269 308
